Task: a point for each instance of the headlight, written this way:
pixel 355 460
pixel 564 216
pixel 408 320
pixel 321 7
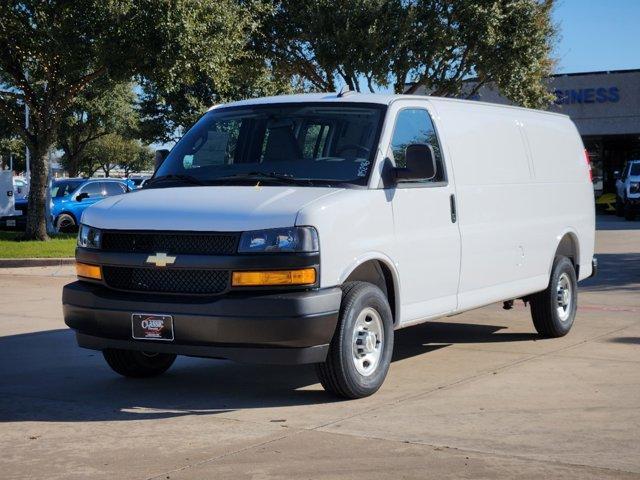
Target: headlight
pixel 634 187
pixel 89 237
pixel 276 240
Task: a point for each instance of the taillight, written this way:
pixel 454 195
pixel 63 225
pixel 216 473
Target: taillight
pixel 586 157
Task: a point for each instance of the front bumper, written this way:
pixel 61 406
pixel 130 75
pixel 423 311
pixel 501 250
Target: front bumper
pixel 255 327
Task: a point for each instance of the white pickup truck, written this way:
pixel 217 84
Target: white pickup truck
pixel 628 190
pixel 307 228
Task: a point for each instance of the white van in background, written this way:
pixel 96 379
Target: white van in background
pixel 307 228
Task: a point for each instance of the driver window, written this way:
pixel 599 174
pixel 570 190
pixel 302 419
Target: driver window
pixel 414 125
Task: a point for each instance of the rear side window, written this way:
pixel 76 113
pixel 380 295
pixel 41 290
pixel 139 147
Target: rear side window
pixel 414 125
pixel 94 189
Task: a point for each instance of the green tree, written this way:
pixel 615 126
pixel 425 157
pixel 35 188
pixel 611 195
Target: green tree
pixel 210 58
pixel 101 109
pixel 53 50
pixel 406 45
pixel 113 150
pixel 11 145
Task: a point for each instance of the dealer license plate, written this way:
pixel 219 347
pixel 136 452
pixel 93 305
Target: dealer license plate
pixel 149 326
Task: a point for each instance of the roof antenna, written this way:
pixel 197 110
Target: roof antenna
pixel 344 91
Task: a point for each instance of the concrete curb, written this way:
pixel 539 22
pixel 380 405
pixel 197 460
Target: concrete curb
pixel 35 262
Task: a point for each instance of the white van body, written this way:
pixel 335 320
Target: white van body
pixel 515 193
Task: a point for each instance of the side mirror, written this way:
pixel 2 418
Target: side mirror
pixel 421 163
pixel 159 158
pixel 616 174
pixel 82 196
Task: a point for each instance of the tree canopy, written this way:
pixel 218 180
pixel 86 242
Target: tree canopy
pixel 103 108
pixel 405 45
pixel 181 51
pixel 72 62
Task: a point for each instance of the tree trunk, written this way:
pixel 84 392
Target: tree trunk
pixel 36 214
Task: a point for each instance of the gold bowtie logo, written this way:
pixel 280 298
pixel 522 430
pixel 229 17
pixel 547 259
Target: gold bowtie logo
pixel 161 259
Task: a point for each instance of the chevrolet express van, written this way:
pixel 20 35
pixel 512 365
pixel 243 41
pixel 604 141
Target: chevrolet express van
pixel 306 229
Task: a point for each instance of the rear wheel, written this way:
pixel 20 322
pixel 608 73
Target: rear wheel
pixel 136 364
pixel 65 223
pixel 554 309
pixel 360 352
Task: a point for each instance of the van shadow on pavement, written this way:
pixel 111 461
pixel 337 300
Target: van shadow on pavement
pixel 44 376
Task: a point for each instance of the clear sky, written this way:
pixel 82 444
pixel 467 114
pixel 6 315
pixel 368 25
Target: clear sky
pixel 597 35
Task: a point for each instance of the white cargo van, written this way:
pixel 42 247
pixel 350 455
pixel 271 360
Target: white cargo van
pixel 306 229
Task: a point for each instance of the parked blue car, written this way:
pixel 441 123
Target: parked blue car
pixel 70 196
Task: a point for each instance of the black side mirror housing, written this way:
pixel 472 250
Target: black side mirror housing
pixel 159 158
pixel 616 174
pixel 82 196
pixel 421 163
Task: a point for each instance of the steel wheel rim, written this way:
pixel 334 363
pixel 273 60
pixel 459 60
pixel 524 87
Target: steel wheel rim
pixel 564 297
pixel 368 341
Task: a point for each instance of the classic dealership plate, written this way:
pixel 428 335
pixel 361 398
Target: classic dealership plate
pixel 150 326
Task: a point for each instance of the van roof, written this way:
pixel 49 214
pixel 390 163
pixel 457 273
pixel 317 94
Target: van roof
pixel 354 97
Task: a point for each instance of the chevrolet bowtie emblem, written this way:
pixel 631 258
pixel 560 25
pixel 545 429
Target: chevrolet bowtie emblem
pixel 161 259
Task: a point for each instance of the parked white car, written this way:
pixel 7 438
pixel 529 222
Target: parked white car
pixel 306 229
pixel 628 190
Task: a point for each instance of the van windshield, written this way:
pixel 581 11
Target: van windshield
pixel 309 144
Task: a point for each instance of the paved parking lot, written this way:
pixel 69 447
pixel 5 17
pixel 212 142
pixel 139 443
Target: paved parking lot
pixel 478 395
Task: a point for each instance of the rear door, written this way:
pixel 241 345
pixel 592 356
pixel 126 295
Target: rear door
pixel 426 230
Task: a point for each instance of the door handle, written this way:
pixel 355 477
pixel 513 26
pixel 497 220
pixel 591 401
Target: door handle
pixel 452 203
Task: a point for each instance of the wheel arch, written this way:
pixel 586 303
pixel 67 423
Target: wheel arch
pixel 568 245
pixel 67 212
pixel 380 271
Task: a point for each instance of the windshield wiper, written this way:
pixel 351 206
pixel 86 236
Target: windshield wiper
pixel 285 178
pixel 176 178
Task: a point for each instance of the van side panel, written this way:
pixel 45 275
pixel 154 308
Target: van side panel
pixel 565 193
pixel 511 221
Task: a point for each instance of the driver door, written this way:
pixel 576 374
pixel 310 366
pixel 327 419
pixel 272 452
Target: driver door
pixel 426 228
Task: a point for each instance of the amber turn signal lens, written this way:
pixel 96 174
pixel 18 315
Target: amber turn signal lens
pixel 88 271
pixel 305 276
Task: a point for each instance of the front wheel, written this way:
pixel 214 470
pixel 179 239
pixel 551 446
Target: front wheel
pixel 553 310
pixel 129 363
pixel 360 352
pixel 65 223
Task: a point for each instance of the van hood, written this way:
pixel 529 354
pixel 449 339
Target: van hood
pixel 219 208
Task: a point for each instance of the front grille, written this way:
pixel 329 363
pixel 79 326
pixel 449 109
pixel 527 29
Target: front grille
pixel 160 280
pixel 172 243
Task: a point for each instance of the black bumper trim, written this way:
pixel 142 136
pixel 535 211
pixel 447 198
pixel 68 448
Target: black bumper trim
pixel 223 326
pixel 274 356
pixel 594 267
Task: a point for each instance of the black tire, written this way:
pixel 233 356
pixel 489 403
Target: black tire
pixel 629 212
pixel 129 363
pixel 619 207
pixel 339 374
pixel 65 223
pixel 545 305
